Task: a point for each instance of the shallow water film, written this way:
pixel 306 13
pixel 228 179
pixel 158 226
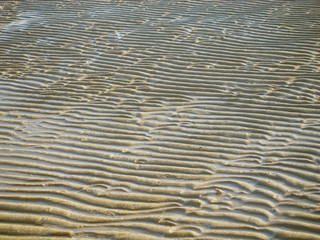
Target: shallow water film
pixel 160 119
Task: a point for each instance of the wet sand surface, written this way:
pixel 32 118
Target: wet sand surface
pixel 160 119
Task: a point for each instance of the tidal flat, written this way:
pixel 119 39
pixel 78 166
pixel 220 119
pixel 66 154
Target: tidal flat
pixel 160 119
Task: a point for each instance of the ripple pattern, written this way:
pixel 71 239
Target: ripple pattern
pixel 160 119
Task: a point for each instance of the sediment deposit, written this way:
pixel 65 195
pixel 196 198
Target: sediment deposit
pixel 159 119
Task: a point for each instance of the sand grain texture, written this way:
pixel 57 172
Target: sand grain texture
pixel 159 119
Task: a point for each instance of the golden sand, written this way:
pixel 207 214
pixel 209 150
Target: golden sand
pixel 159 119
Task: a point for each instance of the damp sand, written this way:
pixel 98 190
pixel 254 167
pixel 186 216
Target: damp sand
pixel 160 119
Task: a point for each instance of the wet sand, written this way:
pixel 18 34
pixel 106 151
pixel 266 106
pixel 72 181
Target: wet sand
pixel 160 119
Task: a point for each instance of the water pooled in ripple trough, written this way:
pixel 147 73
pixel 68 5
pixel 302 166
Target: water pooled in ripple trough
pixel 159 119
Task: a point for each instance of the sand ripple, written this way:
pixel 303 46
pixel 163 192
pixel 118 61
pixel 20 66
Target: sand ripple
pixel 160 119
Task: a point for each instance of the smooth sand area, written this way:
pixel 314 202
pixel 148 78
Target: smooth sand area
pixel 160 119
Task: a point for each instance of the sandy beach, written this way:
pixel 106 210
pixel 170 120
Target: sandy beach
pixel 160 119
